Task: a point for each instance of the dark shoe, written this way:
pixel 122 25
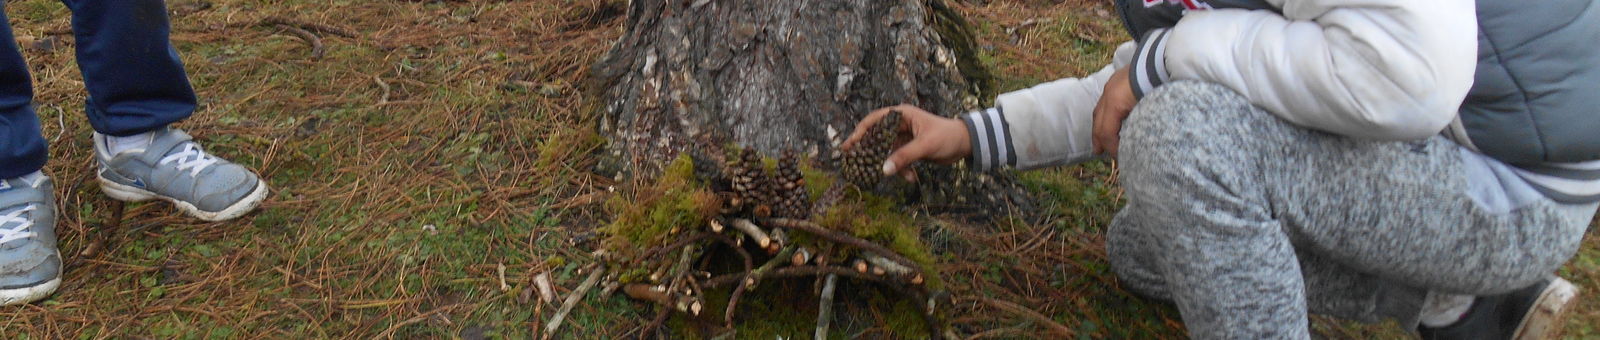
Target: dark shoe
pixel 1531 313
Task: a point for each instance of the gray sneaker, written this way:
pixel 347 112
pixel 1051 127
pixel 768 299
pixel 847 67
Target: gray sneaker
pixel 174 168
pixel 1532 313
pixel 30 266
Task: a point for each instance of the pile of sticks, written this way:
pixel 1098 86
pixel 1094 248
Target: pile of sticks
pixel 764 248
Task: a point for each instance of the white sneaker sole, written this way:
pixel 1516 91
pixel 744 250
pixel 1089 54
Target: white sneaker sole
pixel 17 296
pixel 127 193
pixel 1548 313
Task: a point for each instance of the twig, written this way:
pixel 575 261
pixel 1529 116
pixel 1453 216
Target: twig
pixel 749 228
pixel 308 37
pixel 779 239
pixel 1051 325
pixel 800 271
pixel 825 308
pixel 500 271
pixel 801 256
pixel 542 282
pixel 385 87
pixel 682 242
pixel 756 275
pixel 733 299
pixel 928 308
pixel 890 267
pixel 682 270
pixel 329 29
pixel 662 296
pixel 661 318
pixel 572 300
pixel 846 239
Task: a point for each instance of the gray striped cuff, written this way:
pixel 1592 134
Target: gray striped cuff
pixel 991 139
pixel 1573 183
pixel 1149 68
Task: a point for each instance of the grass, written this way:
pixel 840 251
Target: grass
pixel 447 139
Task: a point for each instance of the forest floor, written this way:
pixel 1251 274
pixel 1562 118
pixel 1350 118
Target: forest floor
pixel 428 146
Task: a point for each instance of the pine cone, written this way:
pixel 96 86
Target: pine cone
pixel 792 199
pixel 751 182
pixel 863 164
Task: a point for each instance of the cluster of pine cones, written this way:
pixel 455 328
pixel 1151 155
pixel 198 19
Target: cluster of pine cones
pixel 862 165
pixel 780 193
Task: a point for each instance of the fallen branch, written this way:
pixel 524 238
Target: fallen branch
pixel 572 300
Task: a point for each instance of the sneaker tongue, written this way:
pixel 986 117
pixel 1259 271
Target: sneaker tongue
pixel 165 143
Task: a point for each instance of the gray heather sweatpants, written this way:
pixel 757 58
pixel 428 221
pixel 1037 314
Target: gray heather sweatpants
pixel 1249 223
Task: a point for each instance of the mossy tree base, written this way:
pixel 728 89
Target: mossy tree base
pixel 677 244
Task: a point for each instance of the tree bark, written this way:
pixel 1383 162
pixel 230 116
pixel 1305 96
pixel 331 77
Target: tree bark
pixel 776 75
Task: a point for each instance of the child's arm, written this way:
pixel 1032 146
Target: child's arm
pixel 1376 69
pixel 1045 125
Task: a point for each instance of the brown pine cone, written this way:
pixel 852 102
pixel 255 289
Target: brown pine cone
pixel 751 182
pixel 792 199
pixel 863 164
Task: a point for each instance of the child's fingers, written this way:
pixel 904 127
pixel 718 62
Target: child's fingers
pixel 864 125
pixel 902 158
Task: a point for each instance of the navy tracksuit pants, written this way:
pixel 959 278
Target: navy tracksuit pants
pixel 135 80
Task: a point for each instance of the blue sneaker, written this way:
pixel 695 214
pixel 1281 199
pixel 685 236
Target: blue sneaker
pixel 174 168
pixel 30 265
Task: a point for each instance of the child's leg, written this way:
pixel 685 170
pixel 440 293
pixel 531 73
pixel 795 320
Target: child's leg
pixel 135 80
pixel 22 149
pixel 1233 194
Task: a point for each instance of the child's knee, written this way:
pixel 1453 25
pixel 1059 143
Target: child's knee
pixel 1191 109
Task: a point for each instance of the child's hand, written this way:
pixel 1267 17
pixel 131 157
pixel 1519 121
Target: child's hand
pixel 1115 104
pixel 923 136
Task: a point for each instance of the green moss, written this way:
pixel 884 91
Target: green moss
pixel 817 181
pixel 878 219
pixel 676 201
pixel 903 321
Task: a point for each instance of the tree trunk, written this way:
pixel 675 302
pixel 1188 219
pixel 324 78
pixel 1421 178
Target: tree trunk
pixel 776 75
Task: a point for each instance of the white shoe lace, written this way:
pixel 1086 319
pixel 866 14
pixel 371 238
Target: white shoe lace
pixel 192 158
pixel 23 226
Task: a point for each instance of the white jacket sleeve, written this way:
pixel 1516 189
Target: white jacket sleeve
pixel 1374 69
pixel 1048 124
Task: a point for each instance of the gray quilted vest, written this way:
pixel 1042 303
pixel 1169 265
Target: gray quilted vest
pixel 1537 93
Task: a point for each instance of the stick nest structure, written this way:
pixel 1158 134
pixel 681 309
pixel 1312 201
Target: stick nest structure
pixel 712 229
